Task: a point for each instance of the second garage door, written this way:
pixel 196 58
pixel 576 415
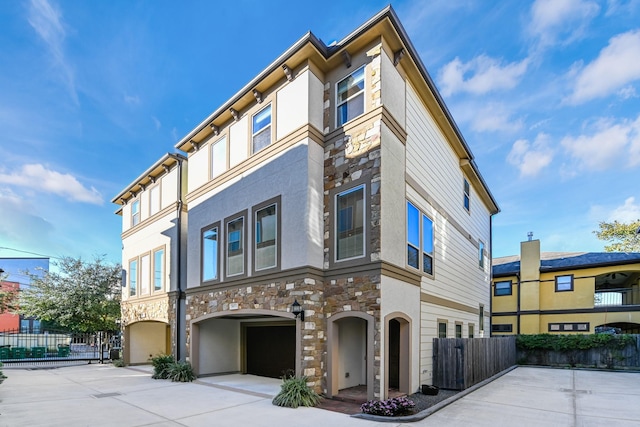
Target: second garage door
pixel 270 350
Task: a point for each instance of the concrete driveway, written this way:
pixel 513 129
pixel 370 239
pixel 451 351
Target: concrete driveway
pixel 101 395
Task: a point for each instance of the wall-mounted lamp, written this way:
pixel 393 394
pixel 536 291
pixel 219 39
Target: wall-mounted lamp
pixel 296 309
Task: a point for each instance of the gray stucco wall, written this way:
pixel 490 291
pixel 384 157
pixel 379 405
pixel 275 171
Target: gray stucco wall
pixel 287 176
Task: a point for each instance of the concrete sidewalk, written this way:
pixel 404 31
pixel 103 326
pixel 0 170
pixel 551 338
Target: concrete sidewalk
pixel 101 395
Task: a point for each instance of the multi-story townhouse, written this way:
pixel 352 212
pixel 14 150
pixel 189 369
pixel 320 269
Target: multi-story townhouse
pixel 335 183
pixel 565 292
pixel 153 259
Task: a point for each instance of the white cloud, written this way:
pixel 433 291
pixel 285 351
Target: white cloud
pixel 480 75
pixel 494 117
pixel 529 158
pixel 46 20
pixel 610 145
pixel 628 212
pixel 617 65
pixel 39 178
pixel 156 122
pixel 561 20
pixel 20 226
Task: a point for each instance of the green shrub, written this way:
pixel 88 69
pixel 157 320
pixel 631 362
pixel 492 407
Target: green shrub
pixel 118 363
pixel 180 372
pixel 295 392
pixel 566 343
pixel 2 375
pixel 161 364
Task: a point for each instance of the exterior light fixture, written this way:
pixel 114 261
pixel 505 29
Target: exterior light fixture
pixel 296 309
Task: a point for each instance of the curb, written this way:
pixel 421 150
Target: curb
pixel 435 408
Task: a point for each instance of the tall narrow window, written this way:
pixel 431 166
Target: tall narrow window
pixel 219 157
pixel 481 319
pixel 413 236
pixel 427 245
pixel 458 330
pixel 158 270
pixel 467 192
pixel 145 271
pixel 481 254
pixel 419 240
pixel 350 102
pixel 133 277
pixel 471 330
pixel 266 233
pixel 261 129
pixel 135 213
pixel 442 329
pixel 350 220
pixel 154 199
pixel 210 254
pixel 235 247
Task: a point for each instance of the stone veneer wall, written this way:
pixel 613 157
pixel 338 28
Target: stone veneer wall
pixel 150 310
pixel 278 297
pixel 353 157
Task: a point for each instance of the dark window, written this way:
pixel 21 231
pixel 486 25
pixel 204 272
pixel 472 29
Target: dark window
pixel 502 328
pixel 502 288
pixel 564 283
pixel 442 329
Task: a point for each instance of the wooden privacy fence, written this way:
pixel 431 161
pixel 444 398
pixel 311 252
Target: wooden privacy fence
pixel 459 363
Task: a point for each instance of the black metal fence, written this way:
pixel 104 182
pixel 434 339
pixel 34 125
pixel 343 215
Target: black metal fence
pixel 52 347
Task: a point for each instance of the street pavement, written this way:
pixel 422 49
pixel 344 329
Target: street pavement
pixel 102 395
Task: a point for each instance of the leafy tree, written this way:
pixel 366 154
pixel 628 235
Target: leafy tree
pixel 8 295
pixel 82 296
pixel 625 237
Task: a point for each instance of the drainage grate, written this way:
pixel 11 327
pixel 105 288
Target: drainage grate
pixel 101 395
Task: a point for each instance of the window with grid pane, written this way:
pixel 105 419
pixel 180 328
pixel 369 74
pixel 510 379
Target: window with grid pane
pixel 350 96
pixel 350 219
pixel 261 129
pixel 266 238
pixel 235 247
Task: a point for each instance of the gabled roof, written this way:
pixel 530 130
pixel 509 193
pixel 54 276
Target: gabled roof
pixel 555 261
pixel 310 47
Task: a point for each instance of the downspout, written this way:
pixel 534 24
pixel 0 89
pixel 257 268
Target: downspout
pixel 518 306
pixel 490 274
pixel 179 255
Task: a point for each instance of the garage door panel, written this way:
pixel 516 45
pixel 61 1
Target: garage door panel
pixel 270 350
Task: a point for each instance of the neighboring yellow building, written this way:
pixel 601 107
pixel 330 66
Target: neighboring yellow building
pixel 565 292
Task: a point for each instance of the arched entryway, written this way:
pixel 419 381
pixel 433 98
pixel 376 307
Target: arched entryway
pixel 350 352
pixel 144 340
pixel 397 354
pixel 259 342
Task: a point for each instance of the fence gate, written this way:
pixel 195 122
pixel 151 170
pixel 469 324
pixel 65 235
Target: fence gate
pixel 56 348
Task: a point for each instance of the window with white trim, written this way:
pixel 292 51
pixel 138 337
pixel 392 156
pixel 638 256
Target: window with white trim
pixel 350 223
pixel 261 129
pixel 350 97
pixel 419 240
pixel 154 199
pixel 135 213
pixel 133 277
pixel 471 330
pixel 158 270
pixel 481 254
pixel 145 271
pixel 467 195
pixel 219 157
pixel 442 329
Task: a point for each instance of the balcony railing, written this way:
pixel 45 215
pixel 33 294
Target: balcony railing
pixel 616 297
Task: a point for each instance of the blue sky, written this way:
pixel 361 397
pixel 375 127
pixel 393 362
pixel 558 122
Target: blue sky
pixel 547 94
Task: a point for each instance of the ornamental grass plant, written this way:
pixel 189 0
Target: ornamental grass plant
pixel 295 392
